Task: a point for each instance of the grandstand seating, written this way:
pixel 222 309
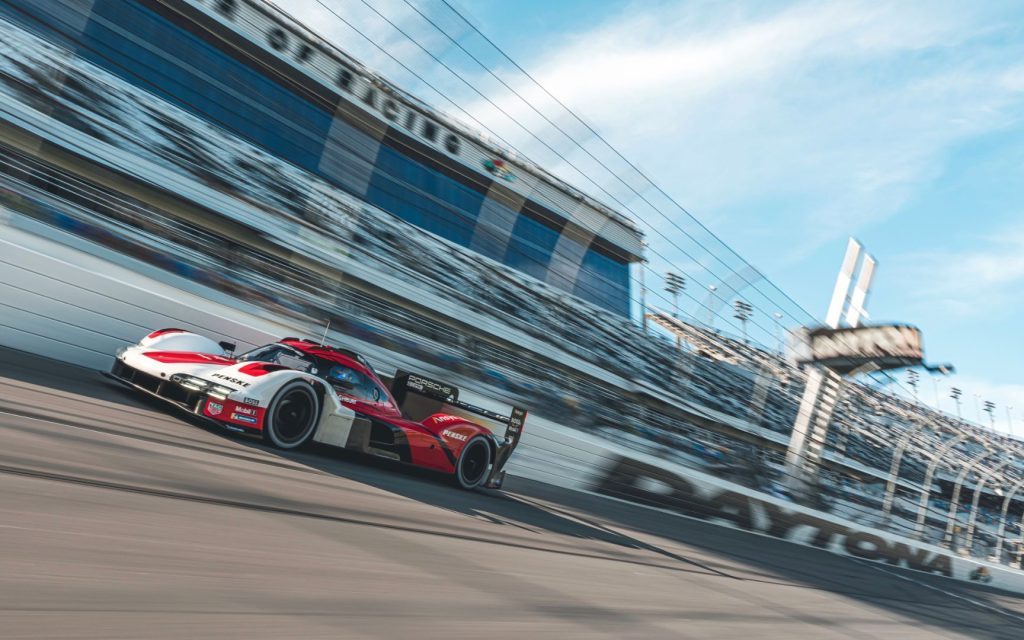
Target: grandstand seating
pixel 696 403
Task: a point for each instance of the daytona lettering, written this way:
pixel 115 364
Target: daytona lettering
pixel 646 484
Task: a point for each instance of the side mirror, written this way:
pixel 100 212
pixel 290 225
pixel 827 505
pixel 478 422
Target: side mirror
pixel 228 347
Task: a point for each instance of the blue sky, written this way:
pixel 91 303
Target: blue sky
pixel 786 127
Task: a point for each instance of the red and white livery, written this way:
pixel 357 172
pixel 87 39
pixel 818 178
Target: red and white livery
pixel 296 391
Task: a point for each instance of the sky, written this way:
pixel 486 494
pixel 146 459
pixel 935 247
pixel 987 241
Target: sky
pixel 783 128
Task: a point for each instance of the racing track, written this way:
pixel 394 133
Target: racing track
pixel 119 520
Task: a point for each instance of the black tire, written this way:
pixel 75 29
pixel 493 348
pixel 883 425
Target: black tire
pixel 474 461
pixel 292 416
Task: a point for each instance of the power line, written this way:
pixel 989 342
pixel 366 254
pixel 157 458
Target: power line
pixel 508 144
pixel 726 318
pixel 614 150
pixel 214 118
pixel 517 66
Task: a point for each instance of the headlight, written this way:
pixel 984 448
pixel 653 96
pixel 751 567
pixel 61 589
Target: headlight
pixel 211 389
pixel 219 392
pixel 190 382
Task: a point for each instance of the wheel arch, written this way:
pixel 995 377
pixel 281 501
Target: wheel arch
pixel 275 392
pixel 482 477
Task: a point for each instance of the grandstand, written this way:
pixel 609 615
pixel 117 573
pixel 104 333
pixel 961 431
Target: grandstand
pixel 255 72
pixel 119 164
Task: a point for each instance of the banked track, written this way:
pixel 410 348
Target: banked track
pixel 120 520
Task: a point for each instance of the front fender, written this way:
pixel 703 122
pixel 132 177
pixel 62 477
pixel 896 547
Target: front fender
pixel 255 384
pixel 180 340
pixel 257 381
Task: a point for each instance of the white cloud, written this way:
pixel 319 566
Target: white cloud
pixel 976 282
pixel 789 127
pixel 830 115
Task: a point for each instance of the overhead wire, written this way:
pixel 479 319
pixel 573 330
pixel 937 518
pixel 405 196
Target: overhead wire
pixel 491 72
pixel 436 59
pixel 476 90
pixel 663 298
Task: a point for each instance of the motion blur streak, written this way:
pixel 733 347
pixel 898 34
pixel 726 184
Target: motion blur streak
pixel 122 521
pixel 214 166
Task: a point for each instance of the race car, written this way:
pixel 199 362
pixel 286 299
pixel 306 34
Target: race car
pixel 296 391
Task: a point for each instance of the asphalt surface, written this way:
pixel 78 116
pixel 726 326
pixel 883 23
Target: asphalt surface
pixel 118 519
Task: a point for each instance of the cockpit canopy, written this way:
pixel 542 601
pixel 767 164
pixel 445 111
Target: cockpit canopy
pixel 349 374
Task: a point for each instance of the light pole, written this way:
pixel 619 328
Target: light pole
pixel 674 285
pixel 990 408
pixel 711 305
pixel 912 379
pixel 955 393
pixel 977 408
pixel 643 290
pixel 778 329
pixel 743 313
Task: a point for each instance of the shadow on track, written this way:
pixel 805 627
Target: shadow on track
pixel 533 512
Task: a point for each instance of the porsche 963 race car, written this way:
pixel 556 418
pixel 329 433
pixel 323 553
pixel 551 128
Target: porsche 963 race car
pixel 296 391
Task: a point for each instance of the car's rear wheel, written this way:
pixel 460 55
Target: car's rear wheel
pixel 291 418
pixel 474 460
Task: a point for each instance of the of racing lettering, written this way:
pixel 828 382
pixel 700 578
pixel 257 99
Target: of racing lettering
pixel 457 436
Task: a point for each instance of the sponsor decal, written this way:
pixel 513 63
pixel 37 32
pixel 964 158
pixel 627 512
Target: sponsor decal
pixel 499 169
pixel 649 485
pixel 240 418
pixel 363 89
pixel 251 401
pixel 443 419
pixel 431 387
pixel 245 411
pixel 221 376
pixel 515 422
pixel 214 408
pixel 456 436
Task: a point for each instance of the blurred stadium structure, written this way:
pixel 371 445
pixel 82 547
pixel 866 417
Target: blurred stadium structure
pixel 223 142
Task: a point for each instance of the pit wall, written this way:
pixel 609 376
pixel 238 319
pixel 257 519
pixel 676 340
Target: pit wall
pixel 67 299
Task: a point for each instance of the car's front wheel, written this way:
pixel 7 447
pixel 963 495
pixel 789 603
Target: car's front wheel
pixel 473 463
pixel 292 415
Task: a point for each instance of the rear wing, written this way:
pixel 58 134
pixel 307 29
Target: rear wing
pixel 405 383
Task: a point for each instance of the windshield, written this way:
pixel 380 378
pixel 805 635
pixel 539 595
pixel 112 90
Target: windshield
pixel 349 382
pixel 345 380
pixel 282 355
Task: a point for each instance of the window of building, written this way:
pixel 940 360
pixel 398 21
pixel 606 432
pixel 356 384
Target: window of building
pixel 149 51
pixel 604 281
pixel 404 187
pixel 530 247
